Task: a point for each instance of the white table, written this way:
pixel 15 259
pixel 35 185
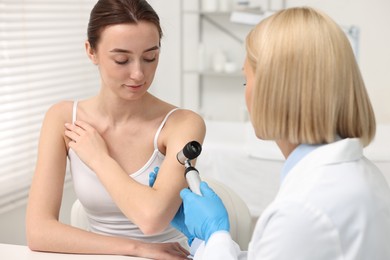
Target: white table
pixel 16 252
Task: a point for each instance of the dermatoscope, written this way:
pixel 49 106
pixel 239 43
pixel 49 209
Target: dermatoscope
pixel 190 151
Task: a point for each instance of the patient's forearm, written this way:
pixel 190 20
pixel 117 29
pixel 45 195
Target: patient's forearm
pixel 151 209
pixel 53 236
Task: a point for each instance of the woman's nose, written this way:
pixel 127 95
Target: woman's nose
pixel 136 71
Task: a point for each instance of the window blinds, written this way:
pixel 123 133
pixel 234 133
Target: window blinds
pixel 42 61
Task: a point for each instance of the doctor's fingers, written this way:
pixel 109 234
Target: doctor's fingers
pixel 188 196
pixel 206 190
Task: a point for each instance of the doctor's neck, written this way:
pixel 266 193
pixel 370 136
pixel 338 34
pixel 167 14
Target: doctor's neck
pixel 286 147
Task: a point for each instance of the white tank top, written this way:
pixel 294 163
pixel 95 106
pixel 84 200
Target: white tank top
pixel 103 214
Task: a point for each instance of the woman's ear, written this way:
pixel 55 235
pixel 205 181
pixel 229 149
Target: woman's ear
pixel 91 52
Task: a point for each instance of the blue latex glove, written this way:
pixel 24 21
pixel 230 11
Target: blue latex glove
pixel 204 215
pixel 178 221
pixel 153 176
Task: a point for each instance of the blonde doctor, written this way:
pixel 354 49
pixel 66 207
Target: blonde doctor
pixel 305 91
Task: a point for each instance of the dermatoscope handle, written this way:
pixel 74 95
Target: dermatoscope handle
pixel 190 151
pixel 193 180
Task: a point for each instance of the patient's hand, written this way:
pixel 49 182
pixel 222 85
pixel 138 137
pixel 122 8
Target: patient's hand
pixel 86 142
pixel 163 251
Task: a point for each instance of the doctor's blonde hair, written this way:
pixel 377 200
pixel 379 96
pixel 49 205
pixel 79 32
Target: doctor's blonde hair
pixel 307 87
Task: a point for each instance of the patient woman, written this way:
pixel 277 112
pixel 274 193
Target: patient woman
pixel 114 140
pixel 304 90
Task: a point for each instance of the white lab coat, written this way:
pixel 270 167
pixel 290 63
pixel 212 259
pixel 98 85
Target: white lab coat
pixel 333 204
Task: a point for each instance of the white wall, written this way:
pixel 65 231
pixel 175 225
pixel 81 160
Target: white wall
pixel 373 19
pixel 167 82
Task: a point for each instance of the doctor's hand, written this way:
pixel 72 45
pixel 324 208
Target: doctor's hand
pixel 204 215
pixel 153 176
pixel 178 221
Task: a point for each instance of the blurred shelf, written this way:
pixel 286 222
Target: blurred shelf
pixel 210 73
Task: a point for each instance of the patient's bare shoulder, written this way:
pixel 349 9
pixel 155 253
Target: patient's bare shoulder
pixel 60 113
pixel 185 119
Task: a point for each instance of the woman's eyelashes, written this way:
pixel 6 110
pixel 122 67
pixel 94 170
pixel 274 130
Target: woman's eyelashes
pixel 150 59
pixel 125 59
pixel 123 62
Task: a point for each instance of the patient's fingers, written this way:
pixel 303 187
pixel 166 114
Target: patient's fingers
pixel 71 132
pixel 79 128
pixel 84 126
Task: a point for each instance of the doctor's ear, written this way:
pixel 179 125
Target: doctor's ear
pixel 91 52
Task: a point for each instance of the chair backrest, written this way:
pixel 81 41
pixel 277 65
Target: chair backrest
pixel 78 217
pixel 239 215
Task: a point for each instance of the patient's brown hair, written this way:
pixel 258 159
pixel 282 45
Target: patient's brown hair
pixel 111 12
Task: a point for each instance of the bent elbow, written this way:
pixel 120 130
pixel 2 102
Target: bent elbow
pixel 151 228
pixel 33 240
pixel 33 246
pixel 35 237
pixel 152 223
pixel 150 220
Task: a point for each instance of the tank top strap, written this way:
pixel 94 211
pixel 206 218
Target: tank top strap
pixel 74 111
pixel 161 126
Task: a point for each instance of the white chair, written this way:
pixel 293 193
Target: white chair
pixel 239 215
pixel 78 217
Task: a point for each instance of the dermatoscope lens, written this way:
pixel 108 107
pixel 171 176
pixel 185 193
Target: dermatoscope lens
pixel 192 150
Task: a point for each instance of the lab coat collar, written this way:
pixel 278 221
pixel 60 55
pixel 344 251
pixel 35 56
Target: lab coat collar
pixel 297 154
pixel 344 150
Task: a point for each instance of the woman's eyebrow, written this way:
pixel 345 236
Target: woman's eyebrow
pixel 127 51
pixel 120 50
pixel 152 49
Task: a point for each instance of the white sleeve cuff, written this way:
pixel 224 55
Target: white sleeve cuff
pixel 221 235
pixel 219 246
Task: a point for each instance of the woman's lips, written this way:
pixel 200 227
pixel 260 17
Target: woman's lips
pixel 133 86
